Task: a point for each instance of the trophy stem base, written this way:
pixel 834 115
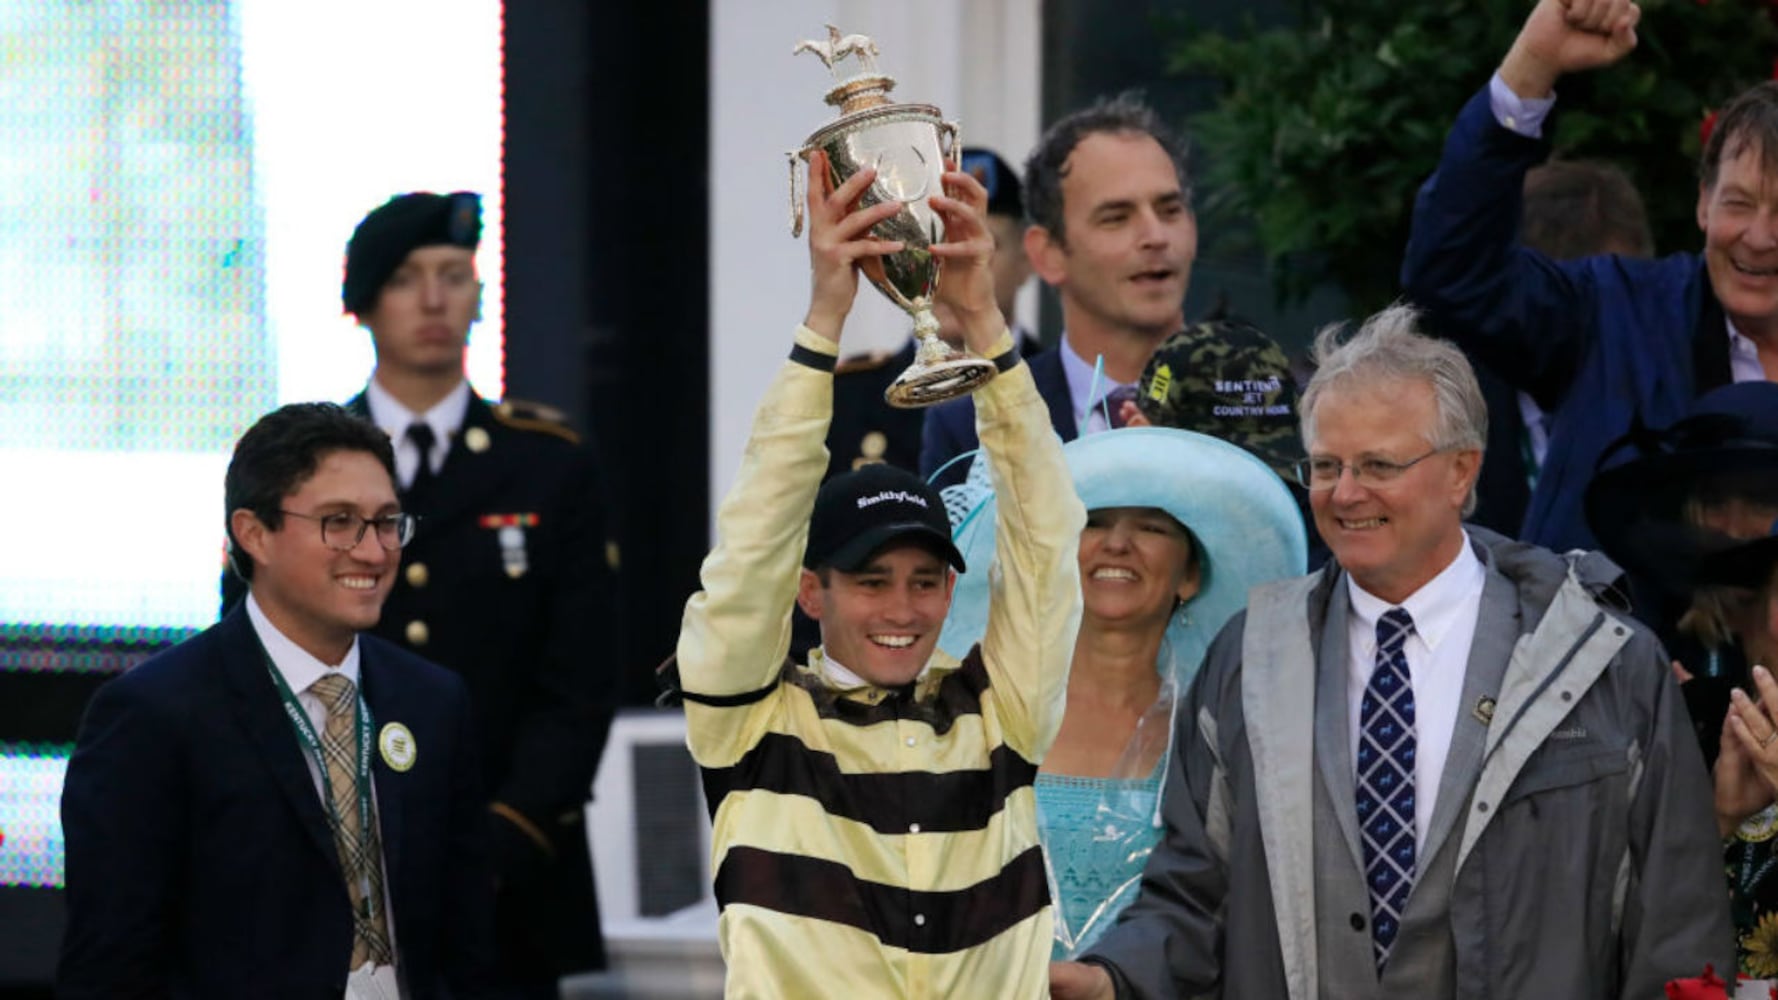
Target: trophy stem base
pixel 939 372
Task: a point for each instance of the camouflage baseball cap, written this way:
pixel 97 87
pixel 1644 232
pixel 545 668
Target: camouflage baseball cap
pixel 1227 379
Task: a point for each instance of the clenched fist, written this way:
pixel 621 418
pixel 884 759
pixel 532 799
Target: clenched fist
pixel 1568 36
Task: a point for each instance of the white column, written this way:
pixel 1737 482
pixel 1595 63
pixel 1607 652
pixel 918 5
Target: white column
pixel 977 61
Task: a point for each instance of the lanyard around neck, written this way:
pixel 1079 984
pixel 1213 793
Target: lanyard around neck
pixel 305 731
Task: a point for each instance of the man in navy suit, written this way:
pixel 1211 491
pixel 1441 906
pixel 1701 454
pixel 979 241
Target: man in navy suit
pixel 510 584
pixel 1112 230
pixel 282 806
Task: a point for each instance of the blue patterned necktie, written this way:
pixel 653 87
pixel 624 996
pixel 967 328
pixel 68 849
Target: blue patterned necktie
pixel 1386 746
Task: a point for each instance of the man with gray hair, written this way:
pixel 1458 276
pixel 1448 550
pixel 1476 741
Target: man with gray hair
pixel 1442 766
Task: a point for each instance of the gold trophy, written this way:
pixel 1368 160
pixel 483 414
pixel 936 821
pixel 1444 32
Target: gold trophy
pixel 902 141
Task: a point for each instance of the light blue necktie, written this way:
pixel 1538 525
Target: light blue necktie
pixel 1386 746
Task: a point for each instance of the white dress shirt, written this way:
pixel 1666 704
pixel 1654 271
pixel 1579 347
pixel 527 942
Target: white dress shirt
pixel 300 671
pixel 1744 362
pixel 1537 432
pixel 445 418
pixel 1518 114
pixel 837 673
pixel 1444 613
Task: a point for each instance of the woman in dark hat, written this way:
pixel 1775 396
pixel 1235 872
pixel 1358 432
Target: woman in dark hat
pixel 1692 513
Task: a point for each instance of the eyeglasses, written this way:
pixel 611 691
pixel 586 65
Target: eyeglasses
pixel 1324 473
pixel 338 534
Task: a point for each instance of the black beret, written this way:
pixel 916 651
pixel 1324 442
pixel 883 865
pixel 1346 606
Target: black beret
pixel 1005 195
pixel 397 228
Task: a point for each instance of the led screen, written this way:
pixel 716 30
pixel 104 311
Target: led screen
pixel 178 179
pixel 30 818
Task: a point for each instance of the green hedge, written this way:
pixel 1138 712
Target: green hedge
pixel 1324 131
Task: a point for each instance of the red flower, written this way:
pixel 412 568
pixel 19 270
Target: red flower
pixel 1707 126
pixel 1705 987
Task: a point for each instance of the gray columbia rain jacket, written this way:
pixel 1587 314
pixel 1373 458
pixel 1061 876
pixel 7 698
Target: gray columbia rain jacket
pixel 1572 852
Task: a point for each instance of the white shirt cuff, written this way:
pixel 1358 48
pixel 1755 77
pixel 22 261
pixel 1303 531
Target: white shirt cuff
pixel 1518 114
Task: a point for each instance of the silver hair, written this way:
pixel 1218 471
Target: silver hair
pixel 1389 347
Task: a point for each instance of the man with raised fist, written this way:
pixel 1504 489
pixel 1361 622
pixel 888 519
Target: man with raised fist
pixel 1599 342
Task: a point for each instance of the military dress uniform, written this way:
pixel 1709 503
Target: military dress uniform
pixel 508 582
pixel 866 428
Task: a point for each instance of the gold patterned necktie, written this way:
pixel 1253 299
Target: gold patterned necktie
pixel 361 857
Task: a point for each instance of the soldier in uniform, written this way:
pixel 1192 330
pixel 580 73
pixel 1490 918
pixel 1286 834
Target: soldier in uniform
pixel 865 428
pixel 507 581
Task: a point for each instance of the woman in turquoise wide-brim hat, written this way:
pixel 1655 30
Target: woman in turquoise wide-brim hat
pixel 1179 527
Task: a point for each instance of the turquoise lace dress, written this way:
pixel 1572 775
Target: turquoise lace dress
pixel 1097 836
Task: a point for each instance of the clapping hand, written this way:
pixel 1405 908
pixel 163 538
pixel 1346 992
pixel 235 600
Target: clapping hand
pixel 1754 727
pixel 1740 792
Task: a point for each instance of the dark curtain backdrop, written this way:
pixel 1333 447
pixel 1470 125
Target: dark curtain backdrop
pixel 607 277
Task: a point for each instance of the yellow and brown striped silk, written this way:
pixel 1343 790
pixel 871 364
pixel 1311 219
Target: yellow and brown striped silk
pixel 361 858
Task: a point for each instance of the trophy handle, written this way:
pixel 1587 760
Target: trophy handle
pixel 952 131
pixel 796 192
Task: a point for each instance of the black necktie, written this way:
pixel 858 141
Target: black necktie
pixel 420 433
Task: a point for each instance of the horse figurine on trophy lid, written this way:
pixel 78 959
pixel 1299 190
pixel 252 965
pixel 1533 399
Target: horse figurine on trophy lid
pixel 908 145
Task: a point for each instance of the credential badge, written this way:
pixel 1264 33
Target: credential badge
pixel 398 747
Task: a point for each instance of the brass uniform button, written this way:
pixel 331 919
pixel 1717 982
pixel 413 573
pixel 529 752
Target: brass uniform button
pixel 417 575
pixel 477 439
pixel 418 633
pixel 871 450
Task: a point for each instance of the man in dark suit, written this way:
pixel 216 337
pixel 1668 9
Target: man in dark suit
pixel 507 582
pixel 282 806
pixel 1112 230
pixel 1572 209
pixel 1605 343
